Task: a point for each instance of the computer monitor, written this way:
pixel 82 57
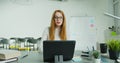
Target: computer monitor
pixel 52 48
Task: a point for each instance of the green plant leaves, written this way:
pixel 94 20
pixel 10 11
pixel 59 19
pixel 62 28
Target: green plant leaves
pixel 113 45
pixel 96 54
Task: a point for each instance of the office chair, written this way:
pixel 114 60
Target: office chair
pixel 16 43
pixel 4 42
pixel 31 42
pixel 38 42
pixel 21 41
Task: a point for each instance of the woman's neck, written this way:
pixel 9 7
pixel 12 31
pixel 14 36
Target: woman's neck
pixel 58 27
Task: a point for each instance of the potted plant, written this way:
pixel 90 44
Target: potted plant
pixel 96 55
pixel 114 48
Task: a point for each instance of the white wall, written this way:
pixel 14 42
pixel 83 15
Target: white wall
pixel 117 13
pixel 24 18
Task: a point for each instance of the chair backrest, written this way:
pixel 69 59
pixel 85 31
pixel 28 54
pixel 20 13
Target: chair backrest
pixel 32 40
pixel 21 39
pixel 39 38
pixel 15 38
pixel 4 41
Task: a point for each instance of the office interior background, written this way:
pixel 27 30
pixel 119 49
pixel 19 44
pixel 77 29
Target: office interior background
pixel 29 18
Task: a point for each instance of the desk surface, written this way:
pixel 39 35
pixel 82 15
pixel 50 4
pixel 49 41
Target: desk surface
pixel 35 57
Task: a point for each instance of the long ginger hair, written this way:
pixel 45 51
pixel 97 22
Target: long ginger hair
pixel 62 32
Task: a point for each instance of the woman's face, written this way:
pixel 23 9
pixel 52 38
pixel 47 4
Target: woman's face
pixel 58 19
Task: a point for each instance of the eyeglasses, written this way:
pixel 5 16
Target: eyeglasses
pixel 56 18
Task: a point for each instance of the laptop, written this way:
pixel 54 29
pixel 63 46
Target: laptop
pixel 58 47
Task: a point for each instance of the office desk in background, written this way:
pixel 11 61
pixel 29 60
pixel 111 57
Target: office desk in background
pixel 35 57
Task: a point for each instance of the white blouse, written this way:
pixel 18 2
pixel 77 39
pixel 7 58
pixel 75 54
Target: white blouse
pixel 45 36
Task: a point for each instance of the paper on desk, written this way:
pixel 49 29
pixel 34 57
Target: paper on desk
pixel 76 58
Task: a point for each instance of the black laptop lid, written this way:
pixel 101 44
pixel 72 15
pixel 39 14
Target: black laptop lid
pixel 52 48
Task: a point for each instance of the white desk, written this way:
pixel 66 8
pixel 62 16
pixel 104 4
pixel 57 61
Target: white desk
pixel 35 57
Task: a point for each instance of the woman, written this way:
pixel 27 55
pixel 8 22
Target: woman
pixel 57 29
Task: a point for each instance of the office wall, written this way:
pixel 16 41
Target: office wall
pixel 95 8
pixel 119 16
pixel 117 13
pixel 24 18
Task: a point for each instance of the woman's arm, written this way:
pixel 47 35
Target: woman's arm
pixel 44 37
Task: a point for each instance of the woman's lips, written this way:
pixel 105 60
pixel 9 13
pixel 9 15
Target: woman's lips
pixel 58 22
